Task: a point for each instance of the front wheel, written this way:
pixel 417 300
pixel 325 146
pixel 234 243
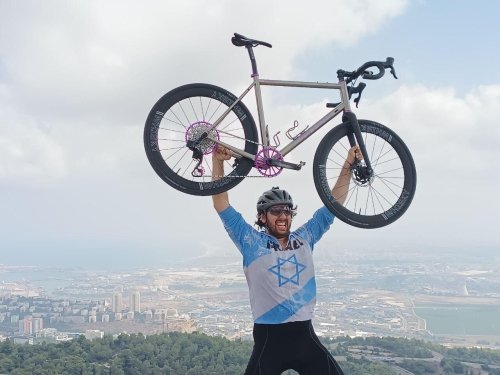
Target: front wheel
pixel 369 202
pixel 185 115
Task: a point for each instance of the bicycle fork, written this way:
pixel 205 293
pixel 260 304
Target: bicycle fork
pixel 362 173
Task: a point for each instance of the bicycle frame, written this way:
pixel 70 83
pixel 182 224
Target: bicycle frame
pixel 343 106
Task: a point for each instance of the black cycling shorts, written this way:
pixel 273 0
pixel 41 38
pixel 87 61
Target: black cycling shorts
pixel 295 346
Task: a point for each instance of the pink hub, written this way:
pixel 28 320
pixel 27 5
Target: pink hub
pixel 196 130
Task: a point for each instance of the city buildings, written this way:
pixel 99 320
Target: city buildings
pixel 356 297
pixel 135 302
pixel 117 303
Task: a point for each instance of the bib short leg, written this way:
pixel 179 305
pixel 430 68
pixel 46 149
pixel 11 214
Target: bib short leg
pixel 295 346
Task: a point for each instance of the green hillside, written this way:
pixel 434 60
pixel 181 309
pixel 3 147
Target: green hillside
pixel 198 354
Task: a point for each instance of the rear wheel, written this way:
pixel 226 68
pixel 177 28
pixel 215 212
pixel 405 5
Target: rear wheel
pixel 186 114
pixel 370 202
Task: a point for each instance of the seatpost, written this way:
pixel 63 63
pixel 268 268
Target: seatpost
pixel 258 96
pixel 252 60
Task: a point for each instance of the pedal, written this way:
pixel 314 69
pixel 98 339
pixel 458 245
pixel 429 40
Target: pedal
pixel 285 164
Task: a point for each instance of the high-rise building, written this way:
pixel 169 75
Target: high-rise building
pixel 37 325
pixel 25 326
pixel 29 325
pixel 116 304
pixel 135 302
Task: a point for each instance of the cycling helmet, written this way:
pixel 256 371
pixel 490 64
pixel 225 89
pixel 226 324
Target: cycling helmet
pixel 272 198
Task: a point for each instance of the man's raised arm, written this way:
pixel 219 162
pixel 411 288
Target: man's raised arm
pixel 219 156
pixel 341 188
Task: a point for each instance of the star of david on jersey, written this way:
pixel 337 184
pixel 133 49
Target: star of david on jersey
pixel 284 273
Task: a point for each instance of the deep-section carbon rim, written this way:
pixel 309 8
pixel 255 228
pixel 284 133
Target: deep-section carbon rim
pixel 384 197
pixel 186 113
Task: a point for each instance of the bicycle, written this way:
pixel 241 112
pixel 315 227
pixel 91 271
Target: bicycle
pixel 190 121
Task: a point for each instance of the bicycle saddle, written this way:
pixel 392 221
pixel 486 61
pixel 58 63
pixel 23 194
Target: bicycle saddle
pixel 242 41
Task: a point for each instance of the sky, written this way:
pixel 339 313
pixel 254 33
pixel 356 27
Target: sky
pixel 78 78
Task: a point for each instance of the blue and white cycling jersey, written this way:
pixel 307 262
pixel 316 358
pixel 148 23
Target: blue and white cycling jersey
pixel 281 282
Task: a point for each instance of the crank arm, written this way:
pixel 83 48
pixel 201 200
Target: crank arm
pixel 285 164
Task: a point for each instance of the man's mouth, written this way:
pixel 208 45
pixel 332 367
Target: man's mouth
pixel 281 225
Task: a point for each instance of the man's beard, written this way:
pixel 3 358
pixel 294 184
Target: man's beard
pixel 276 234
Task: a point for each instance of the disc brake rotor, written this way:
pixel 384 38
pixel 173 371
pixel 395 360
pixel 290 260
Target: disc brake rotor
pixel 360 175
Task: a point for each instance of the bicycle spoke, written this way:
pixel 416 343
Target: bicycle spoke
pixel 393 183
pixel 202 111
pixel 351 190
pixel 341 156
pixel 194 111
pixel 172 140
pixel 172 130
pixel 178 149
pixel 387 161
pixel 375 162
pixel 229 130
pixel 187 168
pixel 171 148
pixel 356 201
pixel 397 169
pixel 373 148
pixel 382 196
pixel 184 112
pixel 374 192
pixel 214 112
pixel 178 122
pixel 182 156
pixel 370 193
pixel 388 187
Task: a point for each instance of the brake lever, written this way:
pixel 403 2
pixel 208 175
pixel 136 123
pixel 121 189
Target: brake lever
pixel 357 99
pixel 389 63
pixel 358 90
pixel 393 71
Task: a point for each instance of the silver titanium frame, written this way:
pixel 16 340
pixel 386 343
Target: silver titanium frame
pixel 343 106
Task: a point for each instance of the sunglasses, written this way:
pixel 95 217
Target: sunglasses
pixel 277 211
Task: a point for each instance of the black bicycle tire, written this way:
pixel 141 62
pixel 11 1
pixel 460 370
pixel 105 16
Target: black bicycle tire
pixel 324 189
pixel 157 161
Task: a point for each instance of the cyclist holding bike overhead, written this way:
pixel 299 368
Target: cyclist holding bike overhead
pixel 279 269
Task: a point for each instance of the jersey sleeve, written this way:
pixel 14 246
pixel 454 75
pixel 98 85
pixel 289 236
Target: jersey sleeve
pixel 314 229
pixel 237 228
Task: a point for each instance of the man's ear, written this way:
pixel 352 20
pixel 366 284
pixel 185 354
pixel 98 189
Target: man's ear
pixel 263 217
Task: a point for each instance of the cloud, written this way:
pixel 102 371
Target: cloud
pixel 28 151
pixel 109 57
pixel 80 76
pixel 454 137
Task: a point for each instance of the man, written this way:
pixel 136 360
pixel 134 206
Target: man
pixel 279 269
